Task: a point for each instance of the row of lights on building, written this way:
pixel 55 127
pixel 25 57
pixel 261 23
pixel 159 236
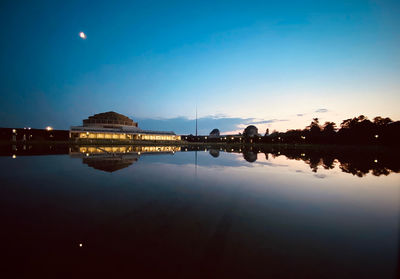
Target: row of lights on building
pixel 48 128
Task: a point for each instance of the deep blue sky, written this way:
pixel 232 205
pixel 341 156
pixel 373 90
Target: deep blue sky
pixel 275 62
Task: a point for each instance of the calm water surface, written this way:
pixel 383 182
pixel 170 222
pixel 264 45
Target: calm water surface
pixel 209 214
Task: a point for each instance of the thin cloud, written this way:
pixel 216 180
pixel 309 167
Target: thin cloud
pixel 268 121
pixel 322 110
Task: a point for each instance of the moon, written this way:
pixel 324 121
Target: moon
pixel 82 35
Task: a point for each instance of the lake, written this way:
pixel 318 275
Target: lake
pixel 199 212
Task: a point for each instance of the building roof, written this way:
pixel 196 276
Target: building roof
pixel 110 117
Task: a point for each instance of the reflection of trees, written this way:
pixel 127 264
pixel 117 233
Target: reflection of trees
pixel 350 168
pixel 357 161
pixel 328 162
pixel 314 162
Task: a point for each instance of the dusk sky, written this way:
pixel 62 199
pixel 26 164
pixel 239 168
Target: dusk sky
pixel 275 64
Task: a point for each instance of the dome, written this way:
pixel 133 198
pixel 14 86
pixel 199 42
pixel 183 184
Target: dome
pixel 109 118
pixel 214 133
pixel 250 131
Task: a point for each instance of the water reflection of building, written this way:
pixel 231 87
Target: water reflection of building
pixel 110 164
pixel 113 158
pixel 250 156
pixel 214 153
pixel 118 127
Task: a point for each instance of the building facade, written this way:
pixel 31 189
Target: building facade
pixel 118 127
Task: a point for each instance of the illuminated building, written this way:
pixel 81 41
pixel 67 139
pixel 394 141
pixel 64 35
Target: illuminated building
pixel 115 126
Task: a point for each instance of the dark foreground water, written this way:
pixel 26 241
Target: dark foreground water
pixel 130 212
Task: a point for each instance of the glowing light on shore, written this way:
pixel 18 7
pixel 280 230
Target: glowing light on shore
pixel 82 35
pixel 14 156
pixel 49 128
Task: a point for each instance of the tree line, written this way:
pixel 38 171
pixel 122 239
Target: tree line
pixel 357 130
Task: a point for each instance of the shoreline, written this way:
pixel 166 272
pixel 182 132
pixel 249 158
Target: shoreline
pixel 326 147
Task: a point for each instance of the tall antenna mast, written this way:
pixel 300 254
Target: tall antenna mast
pixel 196 120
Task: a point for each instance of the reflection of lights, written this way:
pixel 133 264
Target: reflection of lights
pixel 376 161
pixel 82 35
pixel 138 153
pixel 49 128
pixel 376 136
pixel 14 156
